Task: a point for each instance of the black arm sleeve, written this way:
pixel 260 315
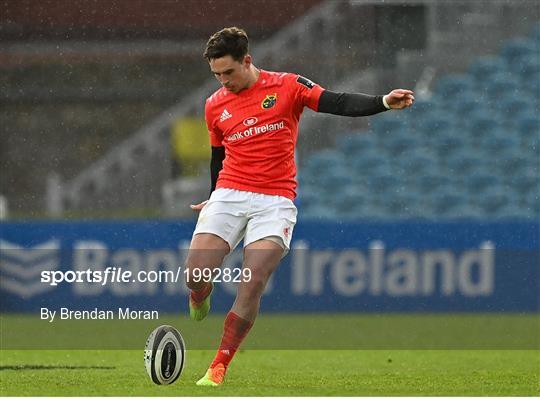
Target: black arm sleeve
pixel 216 163
pixel 348 104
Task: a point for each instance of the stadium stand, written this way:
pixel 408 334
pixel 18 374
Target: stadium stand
pixel 78 80
pixel 96 122
pixel 65 116
pixel 470 151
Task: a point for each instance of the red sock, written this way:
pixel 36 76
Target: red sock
pixel 234 331
pixel 201 294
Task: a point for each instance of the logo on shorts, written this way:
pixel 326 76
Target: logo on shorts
pixel 269 101
pixel 250 121
pixel 286 231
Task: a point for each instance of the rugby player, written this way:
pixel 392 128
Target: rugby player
pixel 253 125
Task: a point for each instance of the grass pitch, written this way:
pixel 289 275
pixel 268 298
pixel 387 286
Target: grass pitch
pixel 284 355
pixel 278 372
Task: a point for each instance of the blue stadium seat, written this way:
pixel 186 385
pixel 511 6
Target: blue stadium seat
pixel 435 123
pixel 416 163
pixel 464 211
pixel 485 67
pixel 474 150
pixel 513 211
pixel 368 163
pixel 511 162
pixel 307 197
pixel 528 67
pixel 481 181
pixel 403 117
pixel 531 146
pixel 403 204
pixel 526 181
pixel 387 124
pixel 493 199
pixel 485 119
pixel 469 105
pixel 356 144
pixel 351 201
pixel 499 142
pixel 532 201
pixel 466 161
pixel 304 179
pixel 327 195
pixel 502 85
pixel 528 125
pixel 324 159
pixel 401 143
pixel 513 107
pixel 482 125
pixel 447 198
pixel 318 212
pixel 431 180
pixel 535 33
pixel 371 211
pixel 516 49
pixel 382 182
pixel 308 177
pixel 482 112
pixel 532 86
pixel 447 143
pixel 420 110
pixel 451 87
pixel 332 179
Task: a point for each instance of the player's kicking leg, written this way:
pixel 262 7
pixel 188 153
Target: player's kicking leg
pixel 206 251
pixel 262 257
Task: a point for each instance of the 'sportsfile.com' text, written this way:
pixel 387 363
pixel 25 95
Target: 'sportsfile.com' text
pixel 120 275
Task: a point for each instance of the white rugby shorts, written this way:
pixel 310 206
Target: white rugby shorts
pixel 235 215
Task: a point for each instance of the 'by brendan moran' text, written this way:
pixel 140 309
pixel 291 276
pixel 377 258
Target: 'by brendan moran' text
pixel 96 314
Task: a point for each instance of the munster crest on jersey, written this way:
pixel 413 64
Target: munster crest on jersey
pixel 269 101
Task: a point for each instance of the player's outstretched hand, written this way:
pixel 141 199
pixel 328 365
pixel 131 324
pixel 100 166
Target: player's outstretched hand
pixel 399 98
pixel 198 207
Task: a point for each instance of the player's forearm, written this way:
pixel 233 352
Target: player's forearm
pixel 216 163
pixel 349 104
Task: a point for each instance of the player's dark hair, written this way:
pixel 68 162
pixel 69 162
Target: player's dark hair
pixel 231 41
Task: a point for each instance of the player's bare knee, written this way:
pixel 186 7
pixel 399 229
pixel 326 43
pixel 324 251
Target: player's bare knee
pixel 200 258
pixel 255 286
pixel 200 265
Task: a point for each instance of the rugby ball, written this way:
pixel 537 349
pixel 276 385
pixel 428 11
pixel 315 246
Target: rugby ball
pixel 164 355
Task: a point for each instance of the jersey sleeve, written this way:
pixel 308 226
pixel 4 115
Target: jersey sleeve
pixel 216 135
pixel 307 93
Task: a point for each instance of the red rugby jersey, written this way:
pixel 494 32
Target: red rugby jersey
pixel 258 128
